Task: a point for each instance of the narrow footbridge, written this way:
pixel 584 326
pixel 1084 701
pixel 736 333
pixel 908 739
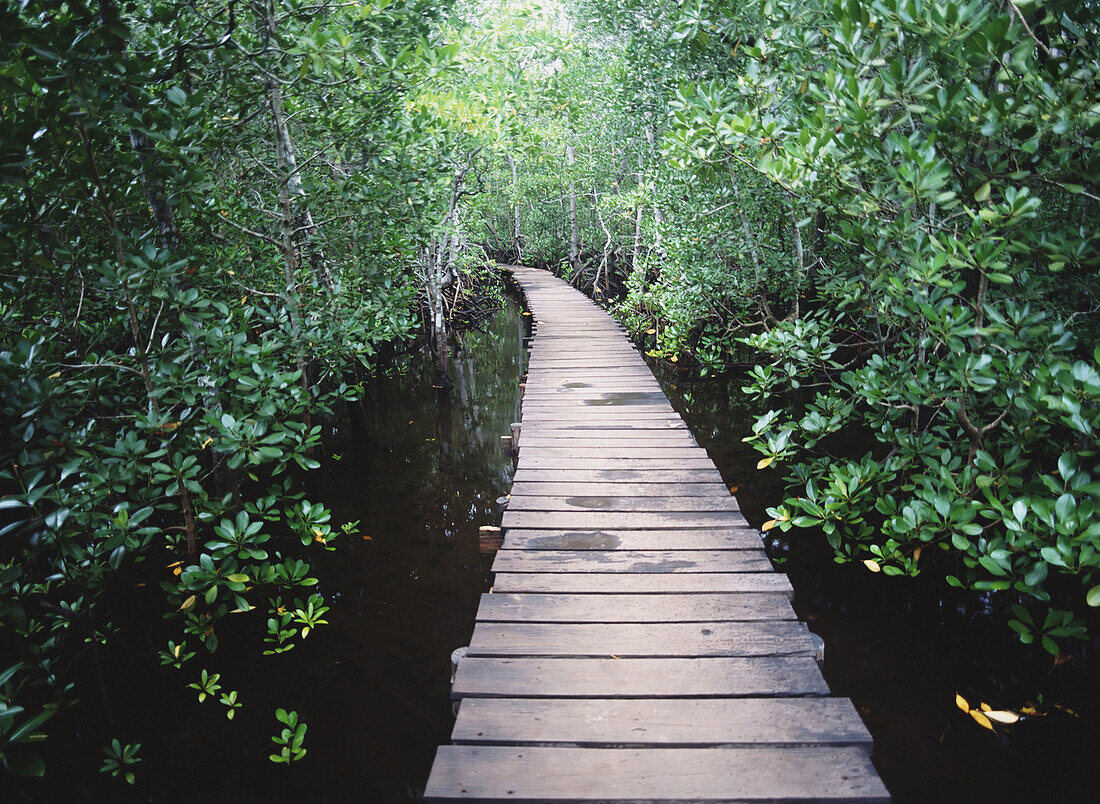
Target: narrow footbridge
pixel 636 645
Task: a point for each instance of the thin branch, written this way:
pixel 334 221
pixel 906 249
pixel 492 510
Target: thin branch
pixel 272 241
pixel 1030 32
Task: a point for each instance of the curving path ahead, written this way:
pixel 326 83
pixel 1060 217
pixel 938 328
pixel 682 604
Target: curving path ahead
pixel 636 645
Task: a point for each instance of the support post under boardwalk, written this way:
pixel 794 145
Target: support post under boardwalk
pixel 637 645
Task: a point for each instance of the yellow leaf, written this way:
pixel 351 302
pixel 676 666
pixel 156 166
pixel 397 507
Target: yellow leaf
pixel 237 577
pixel 916 554
pixel 177 571
pixel 872 565
pixel 765 462
pixel 961 703
pixel 174 564
pixel 1031 711
pixel 176 652
pixel 981 719
pixel 188 603
pixel 985 707
pixel 1002 716
pixel 207 442
pixel 769 524
pixel 55 375
pixel 305 631
pixel 651 331
pixel 674 358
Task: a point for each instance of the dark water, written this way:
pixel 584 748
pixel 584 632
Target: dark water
pixel 421 471
pixel 901 649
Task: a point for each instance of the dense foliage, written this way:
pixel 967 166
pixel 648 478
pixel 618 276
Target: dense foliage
pixel 196 266
pixel 888 211
pixel 214 214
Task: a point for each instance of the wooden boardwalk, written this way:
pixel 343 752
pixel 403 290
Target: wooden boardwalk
pixel 636 645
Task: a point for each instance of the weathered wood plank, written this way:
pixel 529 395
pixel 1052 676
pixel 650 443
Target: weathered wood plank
pixel 619 489
pixel 721 677
pixel 540 774
pixel 536 461
pixel 586 520
pixel 543 608
pixel 589 502
pixel 614 437
pixel 675 722
pixel 679 452
pixel 511 560
pixel 526 474
pixel 614 539
pixel 608 583
pixel 642 640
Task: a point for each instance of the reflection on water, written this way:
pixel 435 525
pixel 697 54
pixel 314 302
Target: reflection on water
pixel 421 471
pixel 901 649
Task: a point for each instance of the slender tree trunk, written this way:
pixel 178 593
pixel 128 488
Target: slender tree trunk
pixel 799 263
pixel 574 230
pixel 298 227
pixel 515 211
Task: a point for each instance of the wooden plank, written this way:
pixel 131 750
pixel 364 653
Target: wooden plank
pixel 525 474
pixel 511 560
pixel 679 452
pixel 716 677
pixel 535 608
pixel 536 461
pixel 587 520
pixel 619 489
pixel 578 428
pixel 609 583
pixel 555 436
pixel 613 539
pixel 669 722
pixel 642 640
pixel 664 501
pixel 627 446
pixel 540 774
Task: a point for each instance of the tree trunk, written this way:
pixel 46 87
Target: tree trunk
pixel 515 211
pixel 574 230
pixel 298 228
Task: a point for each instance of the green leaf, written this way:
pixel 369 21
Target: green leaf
pixel 1092 597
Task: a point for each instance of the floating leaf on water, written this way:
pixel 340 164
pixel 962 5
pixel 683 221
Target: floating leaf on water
pixel 981 719
pixel 1002 716
pixel 962 703
pixel 872 565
